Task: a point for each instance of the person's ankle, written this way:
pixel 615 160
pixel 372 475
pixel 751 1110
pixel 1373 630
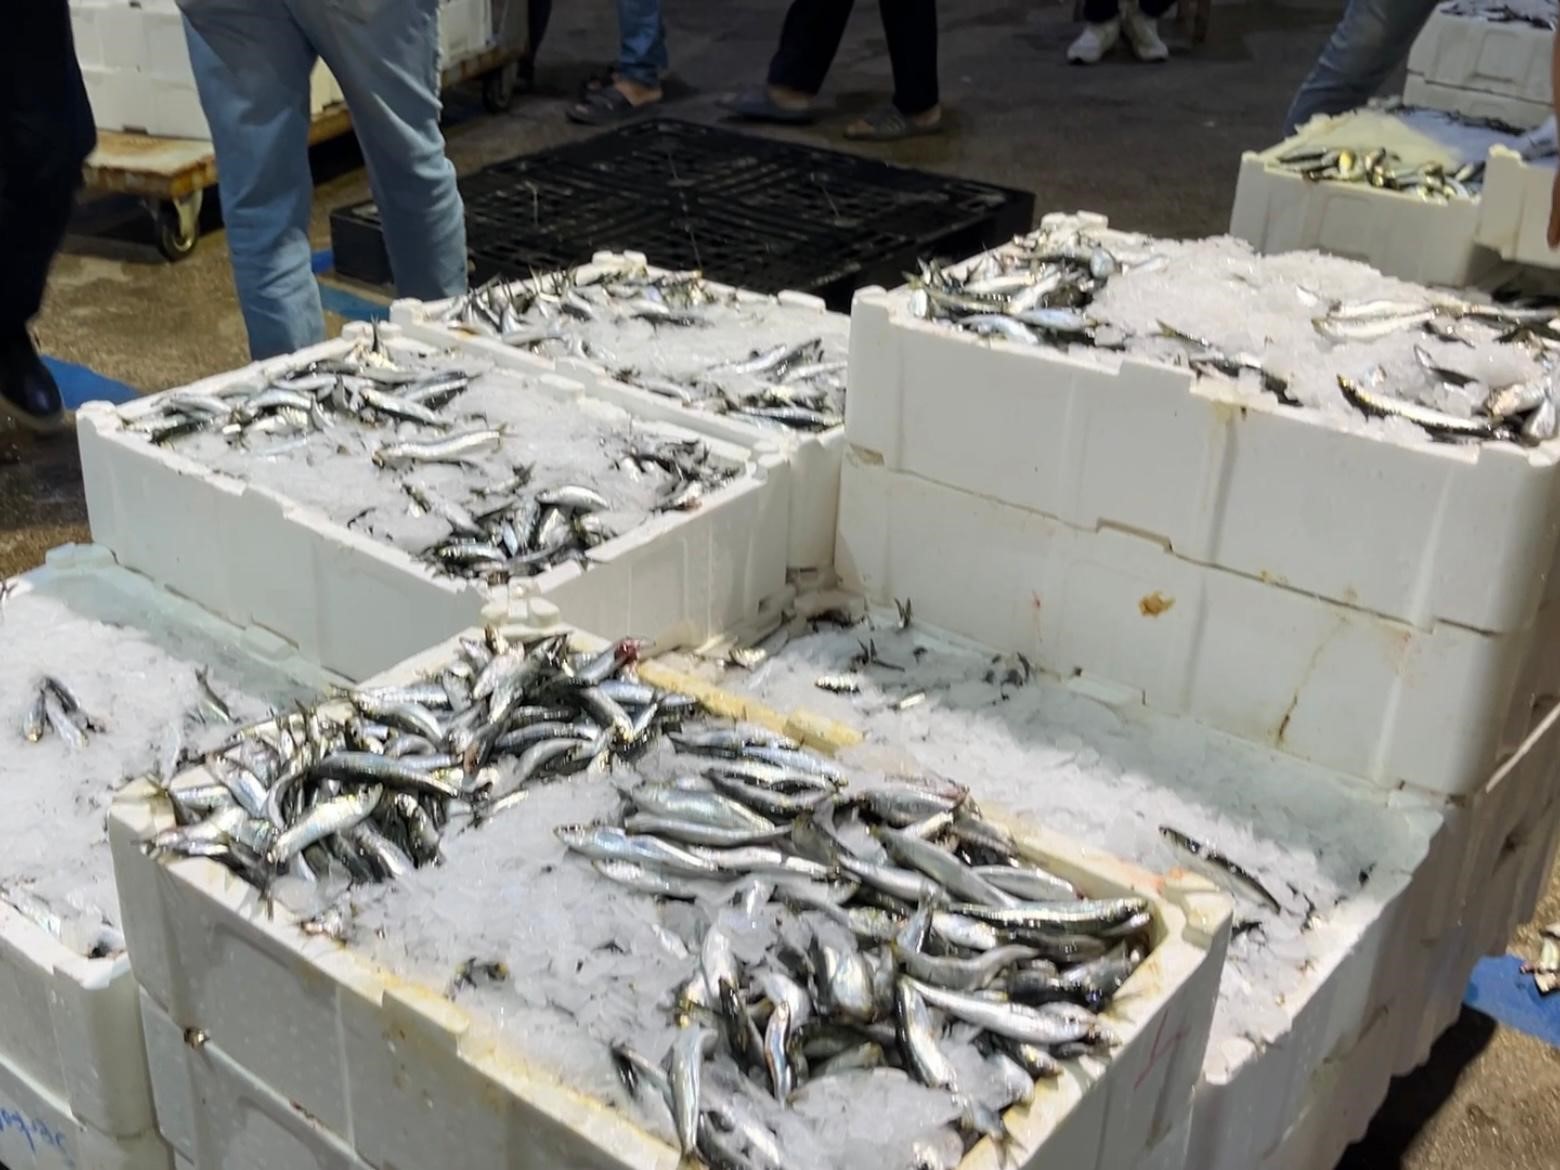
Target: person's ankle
pixel 637 92
pixel 789 99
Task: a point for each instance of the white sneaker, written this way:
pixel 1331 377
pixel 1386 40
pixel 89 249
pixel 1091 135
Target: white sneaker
pixel 1094 42
pixel 1143 34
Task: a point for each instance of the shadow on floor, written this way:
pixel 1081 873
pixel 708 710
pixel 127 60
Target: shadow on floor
pixel 1419 1095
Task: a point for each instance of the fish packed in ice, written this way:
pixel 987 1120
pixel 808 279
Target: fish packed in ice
pixel 1451 366
pixel 673 335
pixel 1540 14
pixel 888 931
pixel 467 470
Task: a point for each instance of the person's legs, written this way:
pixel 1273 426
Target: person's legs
pixel 46 133
pixel 809 39
pixel 385 54
pixel 252 66
pixel 642 56
pixel 1370 41
pixel 910 26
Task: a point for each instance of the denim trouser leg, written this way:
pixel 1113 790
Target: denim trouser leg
pixel 252 66
pixel 385 54
pixel 252 60
pixel 642 53
pixel 1370 41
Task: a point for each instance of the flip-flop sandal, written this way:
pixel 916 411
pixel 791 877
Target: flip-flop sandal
pixel 606 107
pixel 888 125
pixel 598 81
pixel 755 105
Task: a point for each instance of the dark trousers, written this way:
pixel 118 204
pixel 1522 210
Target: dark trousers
pixel 814 28
pixel 46 134
pixel 1102 11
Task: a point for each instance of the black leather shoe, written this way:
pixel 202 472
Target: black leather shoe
pixel 28 394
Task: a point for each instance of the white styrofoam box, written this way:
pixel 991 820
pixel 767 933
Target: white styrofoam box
pixel 1341 687
pixel 1278 210
pixel 397 1070
pixel 1475 103
pixel 215 1114
pixel 69 1025
pixel 1498 818
pixel 465 29
pixel 813 460
pixel 1514 208
pixel 38 1132
pixel 1169 1152
pixel 356 605
pixel 1509 58
pixel 1346 1092
pixel 1424 534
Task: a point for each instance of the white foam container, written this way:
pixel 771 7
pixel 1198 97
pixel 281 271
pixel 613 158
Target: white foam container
pixel 69 1025
pixel 1514 209
pixel 1290 1105
pixel 1342 687
pixel 39 1132
pixel 1278 210
pixel 812 460
pixel 1424 533
pixel 213 1113
pixel 357 605
pixel 405 1076
pixel 1476 103
pixel 1506 59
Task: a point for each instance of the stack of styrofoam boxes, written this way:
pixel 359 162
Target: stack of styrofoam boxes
pixel 137 69
pixel 1279 210
pixel 74 1088
pixel 1376 608
pixel 1469 60
pixel 271 1047
pixel 812 461
pixel 355 604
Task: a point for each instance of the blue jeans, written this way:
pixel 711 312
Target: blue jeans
pixel 641 42
pixel 1371 40
pixel 252 60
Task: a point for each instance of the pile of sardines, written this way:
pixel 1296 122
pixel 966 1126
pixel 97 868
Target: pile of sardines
pixel 365 783
pixel 505 529
pixel 793 385
pixel 912 922
pixel 1379 167
pixel 1038 289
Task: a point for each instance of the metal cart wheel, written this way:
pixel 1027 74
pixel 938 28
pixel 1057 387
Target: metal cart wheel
pixel 498 88
pixel 178 224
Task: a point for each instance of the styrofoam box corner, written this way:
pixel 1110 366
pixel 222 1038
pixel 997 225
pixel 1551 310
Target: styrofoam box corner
pixel 1151 449
pixel 39 1132
pixel 357 605
pixel 812 460
pixel 1505 58
pixel 70 1025
pixel 1514 208
pixel 400 1073
pixel 1278 210
pixel 213 1113
pixel 1341 687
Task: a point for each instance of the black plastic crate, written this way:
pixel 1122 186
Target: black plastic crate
pixel 747 210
